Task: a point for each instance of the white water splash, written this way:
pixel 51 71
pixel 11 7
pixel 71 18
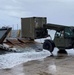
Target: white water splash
pixel 13 59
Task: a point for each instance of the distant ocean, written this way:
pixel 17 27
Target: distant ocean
pixel 14 33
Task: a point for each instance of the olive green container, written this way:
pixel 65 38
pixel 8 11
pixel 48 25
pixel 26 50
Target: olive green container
pixel 30 25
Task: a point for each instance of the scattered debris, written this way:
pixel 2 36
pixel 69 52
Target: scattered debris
pixel 44 73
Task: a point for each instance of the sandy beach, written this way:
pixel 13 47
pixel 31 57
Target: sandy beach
pixel 56 65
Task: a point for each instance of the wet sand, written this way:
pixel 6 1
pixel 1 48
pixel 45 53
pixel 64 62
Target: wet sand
pixel 47 66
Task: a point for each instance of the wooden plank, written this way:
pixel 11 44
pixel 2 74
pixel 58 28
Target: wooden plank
pixel 13 41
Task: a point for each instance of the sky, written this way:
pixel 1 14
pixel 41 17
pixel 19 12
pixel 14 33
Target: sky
pixel 56 11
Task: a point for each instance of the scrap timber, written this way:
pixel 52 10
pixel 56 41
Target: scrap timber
pixel 19 42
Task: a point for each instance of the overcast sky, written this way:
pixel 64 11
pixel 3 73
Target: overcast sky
pixel 56 11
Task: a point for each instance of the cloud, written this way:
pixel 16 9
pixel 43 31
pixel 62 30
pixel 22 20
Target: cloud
pixel 57 11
